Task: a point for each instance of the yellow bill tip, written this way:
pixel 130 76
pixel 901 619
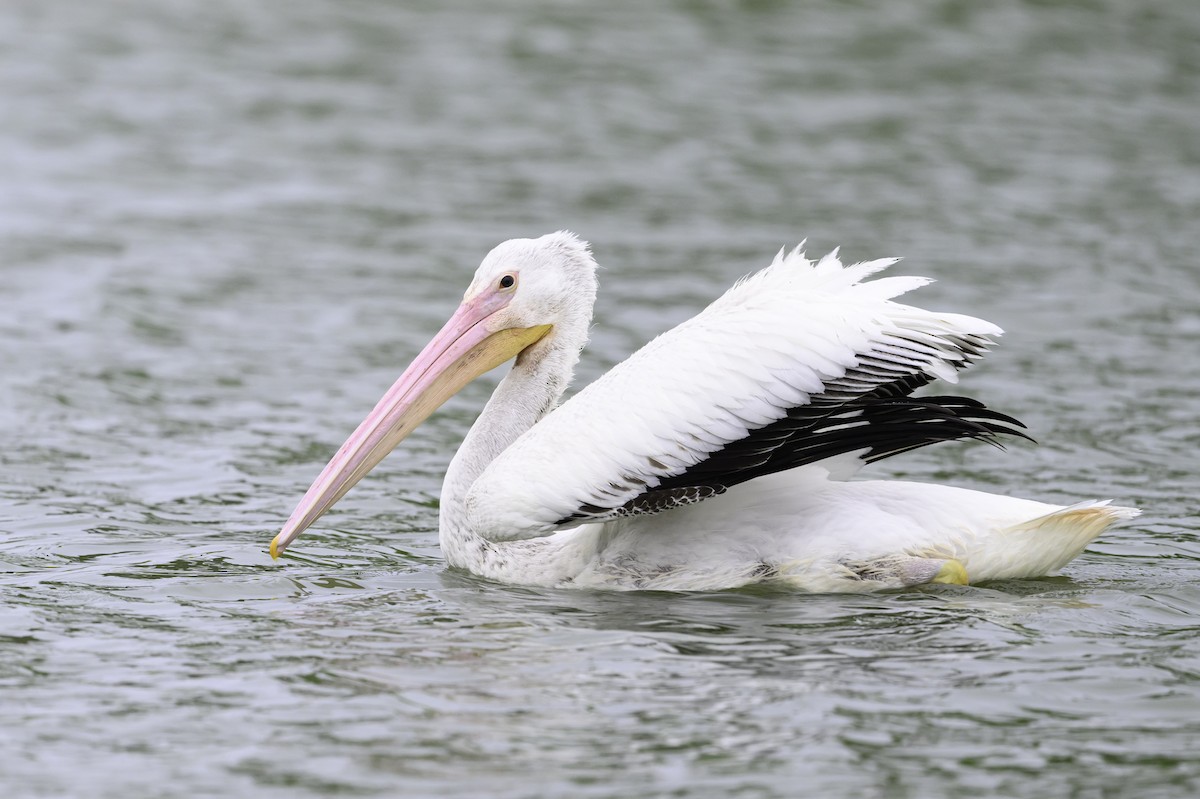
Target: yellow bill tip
pixel 952 573
pixel 275 548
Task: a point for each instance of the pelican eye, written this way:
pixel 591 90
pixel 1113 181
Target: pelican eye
pixel 508 281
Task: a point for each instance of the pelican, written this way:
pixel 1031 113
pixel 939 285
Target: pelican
pixel 721 453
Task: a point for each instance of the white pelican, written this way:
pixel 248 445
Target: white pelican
pixel 718 455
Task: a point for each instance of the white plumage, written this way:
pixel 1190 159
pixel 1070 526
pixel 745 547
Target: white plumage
pixel 719 454
pixel 770 343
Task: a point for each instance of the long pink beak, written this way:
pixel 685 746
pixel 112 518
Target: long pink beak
pixel 464 349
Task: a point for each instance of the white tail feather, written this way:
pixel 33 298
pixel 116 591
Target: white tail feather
pixel 1043 545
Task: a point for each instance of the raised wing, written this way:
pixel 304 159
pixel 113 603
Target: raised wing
pixel 795 364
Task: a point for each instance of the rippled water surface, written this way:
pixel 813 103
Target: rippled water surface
pixel 225 228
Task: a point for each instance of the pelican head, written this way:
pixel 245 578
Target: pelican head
pixel 525 294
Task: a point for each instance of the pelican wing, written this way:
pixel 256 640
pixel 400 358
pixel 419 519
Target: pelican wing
pixel 795 364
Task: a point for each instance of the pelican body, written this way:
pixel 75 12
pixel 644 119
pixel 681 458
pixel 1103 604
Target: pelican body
pixel 720 454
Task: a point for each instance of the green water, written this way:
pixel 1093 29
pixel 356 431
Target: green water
pixel 225 228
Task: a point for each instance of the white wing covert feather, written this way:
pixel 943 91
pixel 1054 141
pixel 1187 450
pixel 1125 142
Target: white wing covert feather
pixel 797 333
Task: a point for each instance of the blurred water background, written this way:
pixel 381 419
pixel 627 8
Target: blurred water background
pixel 225 227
